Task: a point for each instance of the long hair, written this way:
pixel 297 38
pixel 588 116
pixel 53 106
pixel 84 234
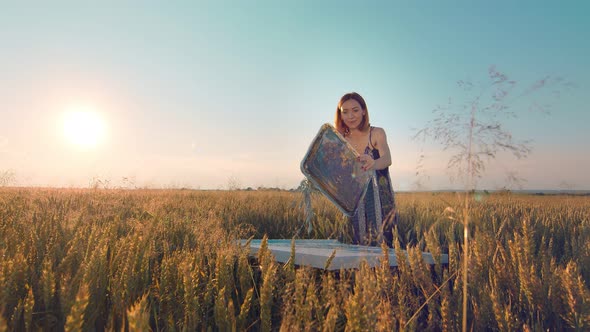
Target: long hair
pixel 339 123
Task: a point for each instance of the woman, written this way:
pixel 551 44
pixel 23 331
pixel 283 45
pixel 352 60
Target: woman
pixel 376 215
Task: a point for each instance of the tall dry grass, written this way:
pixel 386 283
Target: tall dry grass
pixel 169 260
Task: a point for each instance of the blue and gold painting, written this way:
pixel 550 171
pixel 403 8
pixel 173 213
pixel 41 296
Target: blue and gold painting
pixel 331 165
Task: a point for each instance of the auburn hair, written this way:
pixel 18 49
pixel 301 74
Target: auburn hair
pixel 339 123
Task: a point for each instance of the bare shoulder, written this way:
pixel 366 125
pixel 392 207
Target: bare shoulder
pixel 378 138
pixel 378 133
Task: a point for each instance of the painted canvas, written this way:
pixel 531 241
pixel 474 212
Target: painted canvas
pixel 331 165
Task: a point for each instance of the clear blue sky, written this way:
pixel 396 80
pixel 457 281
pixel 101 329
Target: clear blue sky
pixel 201 94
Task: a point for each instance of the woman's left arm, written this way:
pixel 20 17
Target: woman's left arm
pixel 380 143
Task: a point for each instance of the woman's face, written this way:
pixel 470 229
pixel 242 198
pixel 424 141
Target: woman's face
pixel 352 113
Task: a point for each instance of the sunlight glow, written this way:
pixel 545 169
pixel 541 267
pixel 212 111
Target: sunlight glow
pixel 83 127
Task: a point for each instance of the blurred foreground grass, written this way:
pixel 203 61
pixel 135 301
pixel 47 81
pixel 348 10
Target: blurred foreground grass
pixel 167 260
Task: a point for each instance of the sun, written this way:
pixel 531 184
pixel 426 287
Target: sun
pixel 83 127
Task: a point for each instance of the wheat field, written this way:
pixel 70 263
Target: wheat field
pixel 169 260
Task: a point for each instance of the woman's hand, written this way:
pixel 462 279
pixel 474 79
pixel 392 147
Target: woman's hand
pixel 367 163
